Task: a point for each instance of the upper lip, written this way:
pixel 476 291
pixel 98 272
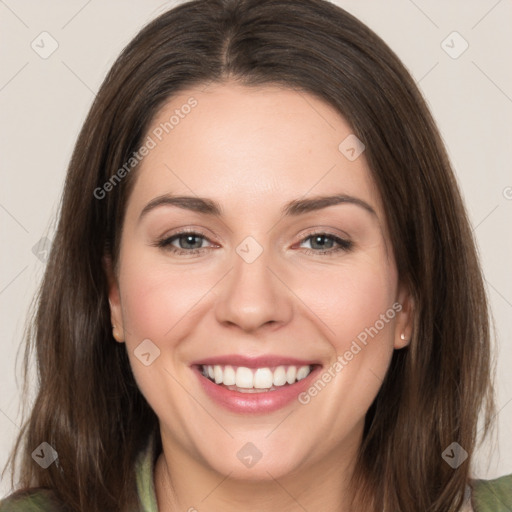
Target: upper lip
pixel 262 361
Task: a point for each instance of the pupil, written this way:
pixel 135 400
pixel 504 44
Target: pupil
pixel 189 239
pixel 318 240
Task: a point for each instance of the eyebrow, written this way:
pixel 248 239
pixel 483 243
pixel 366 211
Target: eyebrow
pixel 293 208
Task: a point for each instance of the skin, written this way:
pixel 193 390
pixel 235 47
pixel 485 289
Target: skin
pixel 253 149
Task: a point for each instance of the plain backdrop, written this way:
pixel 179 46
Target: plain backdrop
pixel 44 100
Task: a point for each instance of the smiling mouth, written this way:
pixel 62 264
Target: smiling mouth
pixel 255 380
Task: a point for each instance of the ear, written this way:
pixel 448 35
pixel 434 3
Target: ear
pixel 114 299
pixel 404 318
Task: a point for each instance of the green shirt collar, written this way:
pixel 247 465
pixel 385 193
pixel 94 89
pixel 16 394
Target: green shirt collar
pixel 144 473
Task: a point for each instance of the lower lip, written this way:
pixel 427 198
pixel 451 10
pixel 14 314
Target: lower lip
pixel 258 403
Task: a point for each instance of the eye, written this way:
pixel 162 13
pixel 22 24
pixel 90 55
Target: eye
pixel 325 243
pixel 192 242
pixel 184 242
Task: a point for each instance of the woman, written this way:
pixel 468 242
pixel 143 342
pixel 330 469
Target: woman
pixel 263 293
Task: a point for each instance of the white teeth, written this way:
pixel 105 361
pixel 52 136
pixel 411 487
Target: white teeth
pixel 279 376
pixel 263 378
pixel 255 379
pixel 217 373
pixel 291 374
pixel 229 376
pixel 303 372
pixel 244 377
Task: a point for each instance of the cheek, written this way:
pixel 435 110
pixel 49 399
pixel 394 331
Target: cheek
pixel 159 304
pixel 351 298
pixel 156 297
pixel 357 308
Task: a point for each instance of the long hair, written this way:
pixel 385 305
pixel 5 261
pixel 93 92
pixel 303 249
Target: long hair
pixel 88 406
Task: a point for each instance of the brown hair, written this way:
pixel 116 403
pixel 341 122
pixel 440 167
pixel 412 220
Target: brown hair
pixel 88 405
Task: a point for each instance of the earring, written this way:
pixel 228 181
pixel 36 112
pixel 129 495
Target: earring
pixel 402 337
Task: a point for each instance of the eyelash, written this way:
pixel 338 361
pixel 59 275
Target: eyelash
pixel 165 243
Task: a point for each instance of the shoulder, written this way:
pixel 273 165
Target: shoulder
pixel 32 500
pixel 493 495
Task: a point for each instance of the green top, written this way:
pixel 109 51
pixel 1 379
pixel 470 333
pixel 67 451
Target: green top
pixel 488 495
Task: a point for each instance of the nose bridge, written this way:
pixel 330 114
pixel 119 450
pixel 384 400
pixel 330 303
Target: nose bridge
pixel 251 295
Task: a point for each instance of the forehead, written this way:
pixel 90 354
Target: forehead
pixel 241 145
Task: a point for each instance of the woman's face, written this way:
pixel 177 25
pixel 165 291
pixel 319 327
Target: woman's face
pixel 270 283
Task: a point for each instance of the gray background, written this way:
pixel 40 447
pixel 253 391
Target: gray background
pixel 44 101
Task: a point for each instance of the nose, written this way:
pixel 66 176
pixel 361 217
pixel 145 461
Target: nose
pixel 252 296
